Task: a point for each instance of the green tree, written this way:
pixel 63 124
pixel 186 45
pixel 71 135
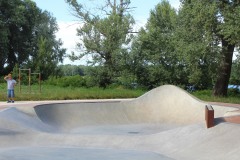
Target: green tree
pixel 196 49
pixel 44 62
pixel 46 50
pixel 17 20
pixel 72 70
pixel 105 38
pixel 154 58
pixel 209 34
pixel 22 24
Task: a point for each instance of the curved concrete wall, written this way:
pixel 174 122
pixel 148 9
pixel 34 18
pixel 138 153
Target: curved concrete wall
pixel 165 104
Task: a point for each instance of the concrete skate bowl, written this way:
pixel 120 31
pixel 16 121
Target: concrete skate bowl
pixel 164 108
pixel 163 124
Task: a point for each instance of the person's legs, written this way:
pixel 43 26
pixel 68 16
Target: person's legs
pixel 12 95
pixel 9 95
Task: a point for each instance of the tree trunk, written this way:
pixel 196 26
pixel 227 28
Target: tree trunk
pixel 221 85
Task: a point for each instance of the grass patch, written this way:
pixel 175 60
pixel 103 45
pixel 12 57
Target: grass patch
pixel 206 95
pixel 50 92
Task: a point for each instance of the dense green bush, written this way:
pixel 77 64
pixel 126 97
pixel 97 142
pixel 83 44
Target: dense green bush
pixel 68 81
pixel 233 92
pixel 90 81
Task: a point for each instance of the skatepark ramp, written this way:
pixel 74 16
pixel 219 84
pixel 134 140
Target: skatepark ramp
pixel 165 104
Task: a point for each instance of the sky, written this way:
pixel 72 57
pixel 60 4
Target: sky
pixel 68 24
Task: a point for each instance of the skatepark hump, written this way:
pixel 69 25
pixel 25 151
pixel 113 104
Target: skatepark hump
pixel 166 104
pixel 165 123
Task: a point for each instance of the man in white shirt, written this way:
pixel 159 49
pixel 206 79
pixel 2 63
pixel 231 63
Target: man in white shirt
pixel 10 88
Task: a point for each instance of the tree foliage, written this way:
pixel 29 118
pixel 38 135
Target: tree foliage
pixel 154 55
pixel 72 70
pixel 23 26
pixel 191 46
pixel 196 46
pixel 17 22
pixel 48 52
pixel 105 38
pixel 210 34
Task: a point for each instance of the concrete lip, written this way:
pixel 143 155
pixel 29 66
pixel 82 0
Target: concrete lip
pixel 165 123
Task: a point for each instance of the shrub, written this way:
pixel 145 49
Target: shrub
pixel 90 82
pixel 68 81
pixel 233 92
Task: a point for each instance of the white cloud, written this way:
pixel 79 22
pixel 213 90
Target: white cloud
pixel 68 34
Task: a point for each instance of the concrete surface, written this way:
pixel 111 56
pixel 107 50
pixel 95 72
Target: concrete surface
pixel 164 124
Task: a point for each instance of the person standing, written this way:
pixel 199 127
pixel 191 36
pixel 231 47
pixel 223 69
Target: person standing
pixel 10 88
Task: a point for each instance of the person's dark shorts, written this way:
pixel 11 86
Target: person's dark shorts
pixel 10 93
